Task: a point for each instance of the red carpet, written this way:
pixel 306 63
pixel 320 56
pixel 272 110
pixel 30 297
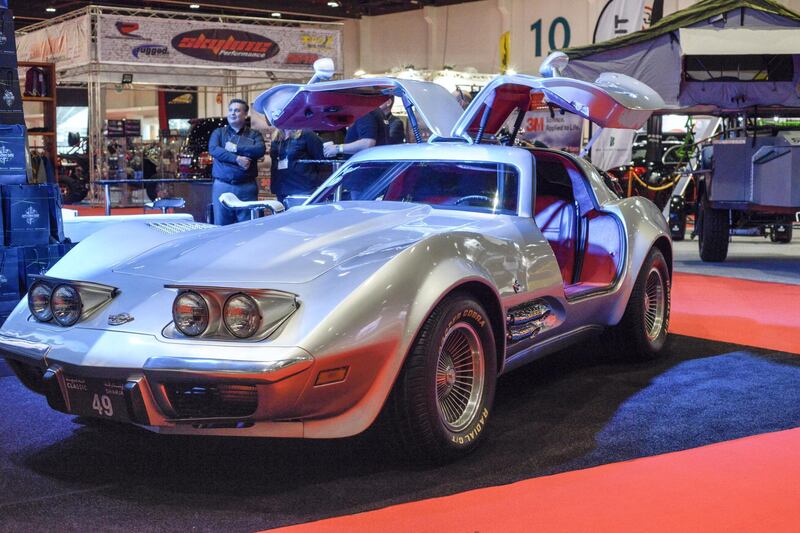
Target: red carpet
pixel 750 484
pixel 752 313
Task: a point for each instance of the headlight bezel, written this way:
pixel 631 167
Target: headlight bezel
pixel 256 315
pixel 190 294
pixel 274 309
pixel 66 322
pixel 93 296
pixel 47 313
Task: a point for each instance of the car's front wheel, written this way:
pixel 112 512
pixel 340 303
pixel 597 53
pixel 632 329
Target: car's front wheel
pixel 441 402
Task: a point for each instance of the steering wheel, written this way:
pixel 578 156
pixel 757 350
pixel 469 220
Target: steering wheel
pixel 475 197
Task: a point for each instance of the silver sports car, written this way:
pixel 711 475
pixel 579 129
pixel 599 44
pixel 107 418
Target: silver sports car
pixel 404 286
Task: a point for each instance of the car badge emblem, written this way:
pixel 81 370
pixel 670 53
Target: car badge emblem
pixel 30 215
pixel 118 320
pixel 8 97
pixel 6 155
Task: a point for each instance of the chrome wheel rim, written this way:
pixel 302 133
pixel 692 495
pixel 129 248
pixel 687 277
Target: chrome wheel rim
pixel 654 304
pixel 459 376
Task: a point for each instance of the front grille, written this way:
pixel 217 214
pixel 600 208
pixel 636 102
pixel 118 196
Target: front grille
pixel 210 400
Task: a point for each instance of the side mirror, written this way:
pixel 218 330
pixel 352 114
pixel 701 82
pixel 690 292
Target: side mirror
pixel 324 69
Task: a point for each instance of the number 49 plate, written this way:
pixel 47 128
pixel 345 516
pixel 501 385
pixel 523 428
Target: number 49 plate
pixel 100 398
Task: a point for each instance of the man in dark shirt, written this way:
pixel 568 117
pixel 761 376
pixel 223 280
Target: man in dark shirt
pixel 236 149
pixel 395 128
pixel 366 132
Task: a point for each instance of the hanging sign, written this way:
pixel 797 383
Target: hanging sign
pixel 153 41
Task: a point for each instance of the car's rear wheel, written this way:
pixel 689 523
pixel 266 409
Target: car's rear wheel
pixel 441 402
pixel 643 330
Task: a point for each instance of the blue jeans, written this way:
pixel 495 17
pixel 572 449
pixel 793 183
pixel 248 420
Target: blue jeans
pixel 247 192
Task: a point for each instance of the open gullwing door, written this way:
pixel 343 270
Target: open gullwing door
pixel 612 101
pixel 337 104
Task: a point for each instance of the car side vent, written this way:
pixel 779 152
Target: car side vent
pixel 211 400
pixel 173 228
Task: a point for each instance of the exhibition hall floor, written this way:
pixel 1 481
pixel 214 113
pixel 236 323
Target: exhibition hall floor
pixel 705 438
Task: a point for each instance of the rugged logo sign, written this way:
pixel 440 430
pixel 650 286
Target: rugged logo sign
pixel 225 46
pixel 150 50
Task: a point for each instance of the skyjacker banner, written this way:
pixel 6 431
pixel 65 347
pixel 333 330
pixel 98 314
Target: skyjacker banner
pixel 151 41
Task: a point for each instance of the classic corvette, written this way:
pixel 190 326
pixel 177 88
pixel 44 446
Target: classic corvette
pixel 404 286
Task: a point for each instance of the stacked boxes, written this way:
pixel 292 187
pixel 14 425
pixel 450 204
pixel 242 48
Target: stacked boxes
pixel 32 238
pixel 31 229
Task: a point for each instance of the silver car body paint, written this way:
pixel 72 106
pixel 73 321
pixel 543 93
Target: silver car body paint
pixel 366 276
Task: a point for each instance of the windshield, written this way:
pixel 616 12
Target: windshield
pixel 483 187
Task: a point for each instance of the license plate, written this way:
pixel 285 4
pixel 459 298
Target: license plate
pixel 102 398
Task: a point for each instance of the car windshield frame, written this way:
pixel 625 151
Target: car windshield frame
pixel 393 168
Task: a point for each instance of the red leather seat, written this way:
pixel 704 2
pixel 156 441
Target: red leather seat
pixel 555 218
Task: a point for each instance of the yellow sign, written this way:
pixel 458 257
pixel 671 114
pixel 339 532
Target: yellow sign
pixel 505 51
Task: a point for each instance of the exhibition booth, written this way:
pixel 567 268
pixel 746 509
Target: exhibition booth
pixel 490 265
pixel 149 74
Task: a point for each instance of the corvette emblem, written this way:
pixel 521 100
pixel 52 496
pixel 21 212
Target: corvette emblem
pixel 118 320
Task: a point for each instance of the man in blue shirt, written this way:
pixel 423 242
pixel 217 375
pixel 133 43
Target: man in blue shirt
pixel 236 150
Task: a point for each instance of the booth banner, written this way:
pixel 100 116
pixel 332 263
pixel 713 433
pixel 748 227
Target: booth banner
pixel 169 42
pixel 562 132
pixel 66 44
pixel 614 147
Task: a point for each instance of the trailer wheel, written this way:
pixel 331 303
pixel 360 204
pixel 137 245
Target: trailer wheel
pixel 714 232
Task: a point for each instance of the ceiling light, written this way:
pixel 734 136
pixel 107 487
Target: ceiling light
pixel 333 4
pixel 50 9
pixel 194 6
pixel 276 15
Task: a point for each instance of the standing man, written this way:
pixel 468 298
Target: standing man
pixel 236 149
pixel 366 132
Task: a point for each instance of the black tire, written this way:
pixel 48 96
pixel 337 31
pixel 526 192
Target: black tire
pixel 781 237
pixel 72 190
pixel 644 328
pixel 677 226
pixel 427 418
pixel 714 232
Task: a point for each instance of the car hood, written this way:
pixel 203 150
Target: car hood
pixel 293 247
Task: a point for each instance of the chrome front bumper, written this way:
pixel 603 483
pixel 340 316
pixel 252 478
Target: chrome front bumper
pixel 278 383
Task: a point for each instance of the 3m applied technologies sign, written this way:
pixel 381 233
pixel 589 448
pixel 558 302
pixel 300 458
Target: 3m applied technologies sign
pixel 152 41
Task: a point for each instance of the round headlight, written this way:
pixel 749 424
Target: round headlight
pixel 66 305
pixel 190 313
pixel 241 316
pixel 39 301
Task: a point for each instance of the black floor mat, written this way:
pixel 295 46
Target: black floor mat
pixel 565 412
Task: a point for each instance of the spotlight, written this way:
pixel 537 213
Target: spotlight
pixel 194 6
pixel 50 9
pixel 276 15
pixel 333 4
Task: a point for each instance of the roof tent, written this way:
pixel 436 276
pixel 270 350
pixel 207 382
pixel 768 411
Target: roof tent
pixel 715 57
